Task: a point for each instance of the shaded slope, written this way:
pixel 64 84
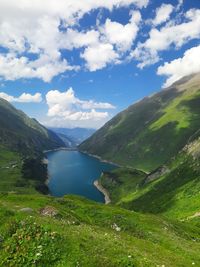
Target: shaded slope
pixel 151 131
pixel 20 133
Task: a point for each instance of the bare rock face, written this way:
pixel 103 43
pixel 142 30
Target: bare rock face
pixel 156 174
pixel 193 148
pixel 48 211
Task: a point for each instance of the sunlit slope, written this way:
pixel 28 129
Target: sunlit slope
pixel 153 130
pixel 174 191
pixel 46 231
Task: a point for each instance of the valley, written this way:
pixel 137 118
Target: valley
pixel 153 218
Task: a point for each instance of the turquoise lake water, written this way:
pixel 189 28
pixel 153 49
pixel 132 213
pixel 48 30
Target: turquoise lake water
pixel 73 172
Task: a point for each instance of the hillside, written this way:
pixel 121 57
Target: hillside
pixel 20 133
pixel 44 231
pixel 151 131
pixel 22 142
pixel 171 190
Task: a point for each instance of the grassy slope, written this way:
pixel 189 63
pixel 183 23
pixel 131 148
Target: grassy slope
pixel 151 131
pixel 84 229
pixel 82 235
pixel 11 178
pixel 174 194
pixel 20 133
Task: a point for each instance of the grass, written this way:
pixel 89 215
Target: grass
pixel 178 112
pixel 122 182
pixel 175 194
pixel 11 176
pixel 85 230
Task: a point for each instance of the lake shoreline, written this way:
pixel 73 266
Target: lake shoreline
pixel 61 148
pixel 100 159
pixel 101 189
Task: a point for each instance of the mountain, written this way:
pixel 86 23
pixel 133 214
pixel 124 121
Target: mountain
pixel 153 218
pixel 75 136
pixel 20 133
pixel 171 190
pixel 151 131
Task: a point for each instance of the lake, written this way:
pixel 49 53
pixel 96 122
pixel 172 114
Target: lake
pixel 73 172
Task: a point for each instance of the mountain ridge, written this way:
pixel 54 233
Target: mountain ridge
pixel 20 133
pixel 138 136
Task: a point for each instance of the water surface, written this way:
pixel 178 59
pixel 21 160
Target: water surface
pixel 72 172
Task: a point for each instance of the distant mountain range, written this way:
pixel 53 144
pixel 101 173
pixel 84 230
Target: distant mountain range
pixel 151 131
pixel 73 136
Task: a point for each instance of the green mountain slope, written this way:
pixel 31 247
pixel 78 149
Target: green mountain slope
pixel 20 133
pixel 171 190
pixel 153 130
pixel 22 141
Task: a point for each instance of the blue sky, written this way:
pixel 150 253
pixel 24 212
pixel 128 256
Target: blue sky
pixel 78 63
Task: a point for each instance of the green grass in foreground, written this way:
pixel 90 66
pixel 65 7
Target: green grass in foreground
pixel 84 233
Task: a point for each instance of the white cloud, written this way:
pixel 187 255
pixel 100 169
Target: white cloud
pixel 122 35
pixel 67 107
pixel 34 27
pixel 162 14
pixel 180 3
pixel 99 55
pixel 75 39
pixel 12 67
pixel 176 69
pixel 170 34
pixel 23 98
pixel 109 44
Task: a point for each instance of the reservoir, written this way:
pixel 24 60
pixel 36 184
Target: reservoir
pixel 73 172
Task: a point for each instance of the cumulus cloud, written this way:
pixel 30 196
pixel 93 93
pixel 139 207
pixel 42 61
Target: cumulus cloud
pixel 32 29
pixel 23 98
pixel 122 35
pixel 162 14
pixel 170 34
pixel 67 107
pixel 180 67
pixel 99 55
pixel 12 67
pixel 77 39
pixel 112 42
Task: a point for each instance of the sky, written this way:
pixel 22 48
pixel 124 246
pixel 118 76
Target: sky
pixel 77 63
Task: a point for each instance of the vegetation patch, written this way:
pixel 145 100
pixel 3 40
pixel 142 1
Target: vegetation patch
pixel 30 244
